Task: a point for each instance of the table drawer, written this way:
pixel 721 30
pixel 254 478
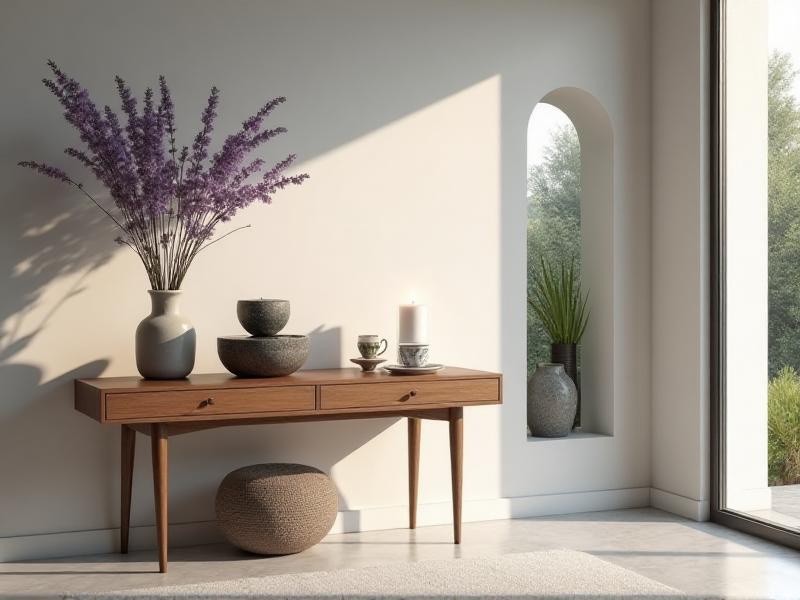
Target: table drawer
pixel 149 405
pixel 411 393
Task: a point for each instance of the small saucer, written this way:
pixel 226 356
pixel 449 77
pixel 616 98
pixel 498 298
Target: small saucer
pixel 403 370
pixel 367 364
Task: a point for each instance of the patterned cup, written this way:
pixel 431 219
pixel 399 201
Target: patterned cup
pixel 413 355
pixel 370 346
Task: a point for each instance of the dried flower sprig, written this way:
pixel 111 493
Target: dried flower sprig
pixel 167 202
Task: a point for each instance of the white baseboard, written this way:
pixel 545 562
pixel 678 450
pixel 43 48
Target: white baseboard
pixel 696 510
pixel 102 541
pixel 396 517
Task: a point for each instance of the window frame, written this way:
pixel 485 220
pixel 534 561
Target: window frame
pixel 724 516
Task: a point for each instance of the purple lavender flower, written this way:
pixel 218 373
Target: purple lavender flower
pixel 167 202
pixel 53 172
pixel 203 138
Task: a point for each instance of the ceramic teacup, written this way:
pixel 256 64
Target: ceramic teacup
pixel 413 355
pixel 370 345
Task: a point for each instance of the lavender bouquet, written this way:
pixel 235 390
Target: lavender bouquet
pixel 167 202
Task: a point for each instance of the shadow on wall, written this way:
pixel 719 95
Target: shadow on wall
pixel 326 348
pixel 49 235
pixel 46 237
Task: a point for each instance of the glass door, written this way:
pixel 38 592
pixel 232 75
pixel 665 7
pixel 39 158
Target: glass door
pixel 756 267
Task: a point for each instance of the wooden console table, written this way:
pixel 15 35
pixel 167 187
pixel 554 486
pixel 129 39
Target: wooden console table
pixel 162 409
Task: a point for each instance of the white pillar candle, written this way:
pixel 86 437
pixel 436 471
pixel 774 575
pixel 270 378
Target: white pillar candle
pixel 413 324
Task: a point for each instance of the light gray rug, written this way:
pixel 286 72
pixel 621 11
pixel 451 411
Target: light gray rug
pixel 547 574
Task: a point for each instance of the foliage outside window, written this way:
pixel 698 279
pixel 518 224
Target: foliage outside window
pixel 784 272
pixel 554 220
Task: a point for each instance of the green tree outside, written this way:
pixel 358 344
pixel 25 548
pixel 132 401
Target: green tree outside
pixel 784 272
pixel 554 220
pixel 784 216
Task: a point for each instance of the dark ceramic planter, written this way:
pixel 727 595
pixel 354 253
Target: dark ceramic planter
pixel 567 355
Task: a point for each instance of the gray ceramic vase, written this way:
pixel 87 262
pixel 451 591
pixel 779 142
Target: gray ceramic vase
pixel 165 339
pixel 552 401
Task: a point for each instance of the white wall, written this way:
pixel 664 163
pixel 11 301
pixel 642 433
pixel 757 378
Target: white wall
pixel 411 119
pixel 746 264
pixel 680 259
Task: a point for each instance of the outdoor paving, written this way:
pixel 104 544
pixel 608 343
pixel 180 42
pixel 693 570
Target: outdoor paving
pixel 786 500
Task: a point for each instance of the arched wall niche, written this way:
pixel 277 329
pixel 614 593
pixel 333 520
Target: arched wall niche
pixel 595 135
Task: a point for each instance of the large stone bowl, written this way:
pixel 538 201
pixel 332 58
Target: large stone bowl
pixel 248 356
pixel 263 317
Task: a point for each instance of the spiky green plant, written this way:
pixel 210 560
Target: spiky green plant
pixel 784 428
pixel 559 303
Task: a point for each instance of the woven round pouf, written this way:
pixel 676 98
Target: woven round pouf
pixel 276 508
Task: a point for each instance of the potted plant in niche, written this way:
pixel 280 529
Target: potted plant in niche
pixel 559 303
pixel 165 200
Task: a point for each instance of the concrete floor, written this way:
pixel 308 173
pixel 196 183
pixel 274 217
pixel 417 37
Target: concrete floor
pixel 702 559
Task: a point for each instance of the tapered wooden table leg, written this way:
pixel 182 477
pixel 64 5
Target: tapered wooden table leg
pixel 456 466
pixel 414 428
pixel 128 437
pixel 158 438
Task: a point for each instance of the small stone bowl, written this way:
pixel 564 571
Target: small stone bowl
pixel 247 356
pixel 263 318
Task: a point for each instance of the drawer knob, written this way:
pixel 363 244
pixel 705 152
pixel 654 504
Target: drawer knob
pixel 207 402
pixel 412 393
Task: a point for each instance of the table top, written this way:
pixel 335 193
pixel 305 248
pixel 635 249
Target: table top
pixel 310 377
pixel 304 395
